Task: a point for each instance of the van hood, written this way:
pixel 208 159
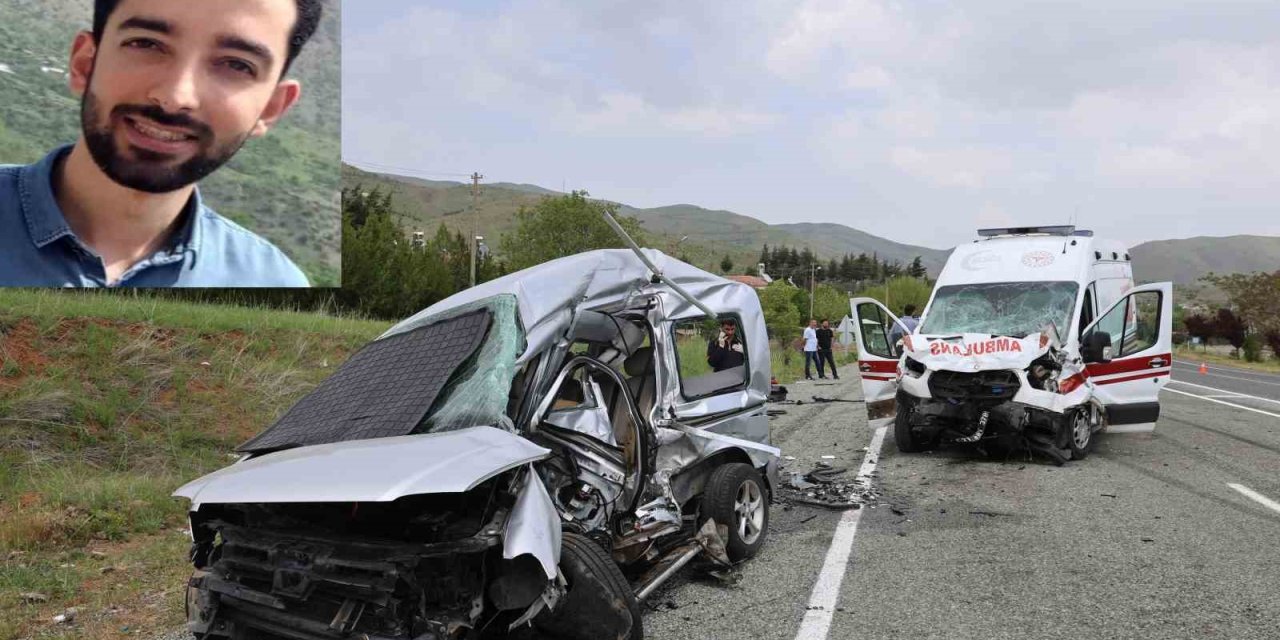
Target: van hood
pixel 374 470
pixel 975 351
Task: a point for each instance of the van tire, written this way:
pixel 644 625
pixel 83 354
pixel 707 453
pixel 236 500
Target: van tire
pixel 907 441
pixel 720 500
pixel 599 603
pixel 1080 434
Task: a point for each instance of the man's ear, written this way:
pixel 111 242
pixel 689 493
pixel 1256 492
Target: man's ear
pixel 83 53
pixel 286 95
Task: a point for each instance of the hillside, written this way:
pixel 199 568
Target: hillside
pixel 711 233
pixel 284 186
pixel 1184 261
pixel 107 404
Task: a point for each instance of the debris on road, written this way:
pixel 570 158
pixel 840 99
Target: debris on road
pixel 822 487
pixel 821 399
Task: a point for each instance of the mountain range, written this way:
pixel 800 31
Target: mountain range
pixel 711 234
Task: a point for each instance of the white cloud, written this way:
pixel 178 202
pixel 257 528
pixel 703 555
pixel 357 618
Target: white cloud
pixel 629 114
pixel 868 78
pixel 969 168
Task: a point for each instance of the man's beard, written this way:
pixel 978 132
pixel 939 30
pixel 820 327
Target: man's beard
pixel 150 171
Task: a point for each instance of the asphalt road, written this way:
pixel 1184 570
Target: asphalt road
pixel 1144 539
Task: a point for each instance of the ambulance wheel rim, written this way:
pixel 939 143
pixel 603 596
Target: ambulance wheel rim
pixel 1081 432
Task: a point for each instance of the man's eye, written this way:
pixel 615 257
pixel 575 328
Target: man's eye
pixel 240 66
pixel 142 43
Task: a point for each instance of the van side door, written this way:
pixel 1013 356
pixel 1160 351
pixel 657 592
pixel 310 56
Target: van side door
pixel 877 358
pixel 1128 382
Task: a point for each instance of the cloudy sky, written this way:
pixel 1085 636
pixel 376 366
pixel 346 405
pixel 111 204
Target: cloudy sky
pixel 916 121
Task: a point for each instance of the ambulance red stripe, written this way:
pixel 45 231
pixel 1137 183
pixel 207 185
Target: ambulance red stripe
pixel 1128 365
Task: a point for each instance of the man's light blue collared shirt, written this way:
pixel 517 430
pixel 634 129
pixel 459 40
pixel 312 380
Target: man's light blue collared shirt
pixel 38 248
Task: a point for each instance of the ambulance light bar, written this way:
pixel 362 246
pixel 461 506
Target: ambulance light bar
pixel 1060 230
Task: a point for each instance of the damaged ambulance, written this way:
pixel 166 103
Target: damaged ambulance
pixel 545 449
pixel 1033 338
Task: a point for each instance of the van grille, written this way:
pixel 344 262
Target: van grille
pixel 983 385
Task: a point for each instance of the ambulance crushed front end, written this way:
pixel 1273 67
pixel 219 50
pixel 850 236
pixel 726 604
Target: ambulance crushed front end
pixel 1003 392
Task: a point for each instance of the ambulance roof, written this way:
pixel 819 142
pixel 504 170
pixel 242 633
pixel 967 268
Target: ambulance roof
pixel 1029 258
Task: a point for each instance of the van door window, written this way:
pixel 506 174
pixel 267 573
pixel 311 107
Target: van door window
pixel 1133 326
pixel 712 356
pixel 875 330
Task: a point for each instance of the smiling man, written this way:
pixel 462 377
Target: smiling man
pixel 169 92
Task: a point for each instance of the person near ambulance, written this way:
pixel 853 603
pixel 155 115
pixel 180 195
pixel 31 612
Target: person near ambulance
pixel 825 334
pixel 811 349
pixel 904 326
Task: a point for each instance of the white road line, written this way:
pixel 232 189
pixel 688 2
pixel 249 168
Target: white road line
pixel 822 601
pixel 1256 497
pixel 1234 394
pixel 1229 404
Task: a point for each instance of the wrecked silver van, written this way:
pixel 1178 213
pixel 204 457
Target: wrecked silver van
pixel 544 449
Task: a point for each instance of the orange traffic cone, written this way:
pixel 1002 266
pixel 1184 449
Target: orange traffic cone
pixel 1204 369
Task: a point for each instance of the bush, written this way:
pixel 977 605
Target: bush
pixel 1273 340
pixel 1252 347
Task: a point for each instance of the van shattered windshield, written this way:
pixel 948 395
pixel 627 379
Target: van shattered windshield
pixel 1008 308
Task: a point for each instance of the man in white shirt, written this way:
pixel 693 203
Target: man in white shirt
pixel 811 349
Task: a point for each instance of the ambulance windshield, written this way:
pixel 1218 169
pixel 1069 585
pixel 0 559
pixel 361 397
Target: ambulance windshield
pixel 1014 309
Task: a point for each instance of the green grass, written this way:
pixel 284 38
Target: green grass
pixel 53 306
pixel 107 404
pixel 1196 356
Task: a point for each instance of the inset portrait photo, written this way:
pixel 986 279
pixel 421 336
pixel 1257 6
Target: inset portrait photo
pixel 152 143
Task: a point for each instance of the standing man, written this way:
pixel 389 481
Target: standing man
pixel 824 349
pixel 725 350
pixel 169 91
pixel 811 349
pixel 906 325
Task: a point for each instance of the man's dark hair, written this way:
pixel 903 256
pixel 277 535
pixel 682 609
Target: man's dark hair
pixel 308 20
pixel 909 309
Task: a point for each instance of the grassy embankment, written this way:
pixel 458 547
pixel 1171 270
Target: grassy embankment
pixel 109 403
pixel 1196 355
pixel 693 353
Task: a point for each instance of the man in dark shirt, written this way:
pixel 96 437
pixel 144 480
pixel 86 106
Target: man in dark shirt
pixel 824 349
pixel 725 350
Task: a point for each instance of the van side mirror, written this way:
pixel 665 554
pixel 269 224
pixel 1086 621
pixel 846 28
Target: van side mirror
pixel 1096 347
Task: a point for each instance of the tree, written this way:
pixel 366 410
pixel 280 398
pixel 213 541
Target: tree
pixel 781 318
pixel 898 293
pixel 917 270
pixel 1230 328
pixel 830 303
pixel 1255 296
pixel 726 264
pixel 1272 338
pixel 562 226
pixel 1200 327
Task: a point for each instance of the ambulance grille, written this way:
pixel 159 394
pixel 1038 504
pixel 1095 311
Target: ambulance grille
pixel 983 385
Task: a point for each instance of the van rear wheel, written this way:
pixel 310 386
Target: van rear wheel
pixel 736 497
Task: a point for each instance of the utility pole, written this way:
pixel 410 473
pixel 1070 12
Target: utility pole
pixel 475 222
pixel 813 269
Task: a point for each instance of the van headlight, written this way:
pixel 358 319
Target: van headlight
pixel 913 367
